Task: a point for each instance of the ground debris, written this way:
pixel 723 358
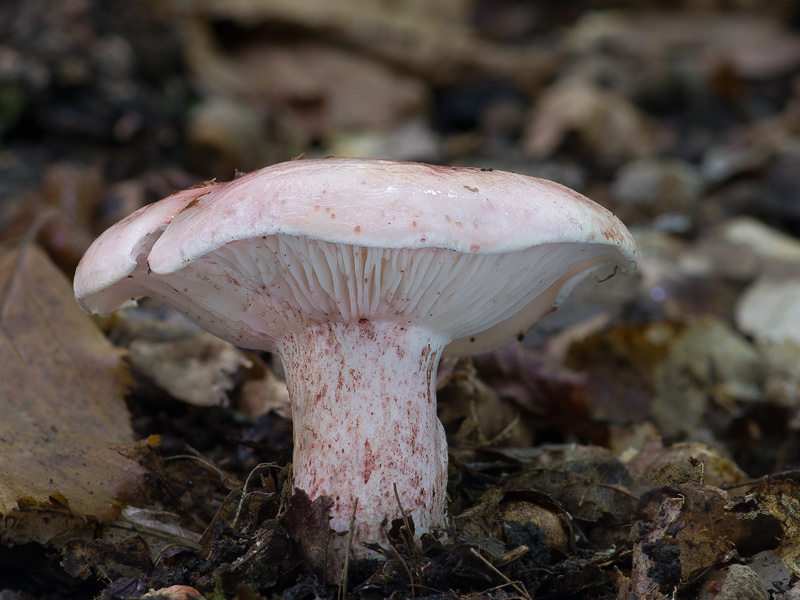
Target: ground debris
pixel 641 442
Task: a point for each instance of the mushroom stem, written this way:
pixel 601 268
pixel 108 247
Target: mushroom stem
pixel 364 409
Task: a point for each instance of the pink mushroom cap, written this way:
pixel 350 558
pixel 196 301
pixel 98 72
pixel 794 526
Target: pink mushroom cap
pixel 364 203
pixel 360 273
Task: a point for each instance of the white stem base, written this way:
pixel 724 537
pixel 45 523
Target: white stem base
pixel 364 409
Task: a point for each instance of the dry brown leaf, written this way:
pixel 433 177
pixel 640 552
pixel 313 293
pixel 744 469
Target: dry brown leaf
pixel 175 592
pixel 263 391
pixel 678 373
pixel 478 413
pixel 656 564
pixel 606 124
pixel 411 35
pixel 768 309
pixel 72 193
pixel 246 540
pixel 779 500
pixel 62 405
pixel 190 364
pixel 589 482
pixel 654 456
pixel 317 544
pixel 734 582
pixel 684 530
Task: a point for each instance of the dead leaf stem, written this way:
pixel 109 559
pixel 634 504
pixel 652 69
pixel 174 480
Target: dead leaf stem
pixel 346 568
pixel 520 590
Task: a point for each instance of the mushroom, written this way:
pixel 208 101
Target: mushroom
pixel 361 274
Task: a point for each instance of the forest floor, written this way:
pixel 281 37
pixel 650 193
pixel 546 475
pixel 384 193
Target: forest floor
pixel 642 442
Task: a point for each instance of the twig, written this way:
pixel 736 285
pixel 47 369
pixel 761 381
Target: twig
pixel 513 584
pixel 405 566
pixel 402 512
pixel 245 493
pixel 617 489
pixel 409 536
pixel 789 474
pixel 488 594
pixel 346 567
pixel 223 477
pixel 506 431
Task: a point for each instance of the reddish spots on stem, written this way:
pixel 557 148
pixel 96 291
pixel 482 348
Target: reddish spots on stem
pixel 369 461
pixel 366 419
pixel 340 387
pixel 367 329
pixel 474 248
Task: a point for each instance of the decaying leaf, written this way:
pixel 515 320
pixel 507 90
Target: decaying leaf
pixel 620 364
pixel 768 310
pixel 538 386
pixel 313 518
pixel 708 363
pixel 654 456
pixel 589 481
pixel 63 415
pixel 73 193
pixel 656 563
pixel 175 592
pixel 674 372
pixel 607 124
pixel 128 557
pixel 779 500
pixel 687 523
pixel 735 582
pixel 263 391
pixel 481 416
pixel 769 567
pixel 782 371
pixel 689 528
pixel 189 363
pixel 438 47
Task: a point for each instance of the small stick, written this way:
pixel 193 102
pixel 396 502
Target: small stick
pixel 519 590
pixel 258 468
pixel 346 567
pixel 408 571
pixel 402 513
pixel 506 431
pixel 409 540
pixel 412 546
pixel 763 479
pixel 222 476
